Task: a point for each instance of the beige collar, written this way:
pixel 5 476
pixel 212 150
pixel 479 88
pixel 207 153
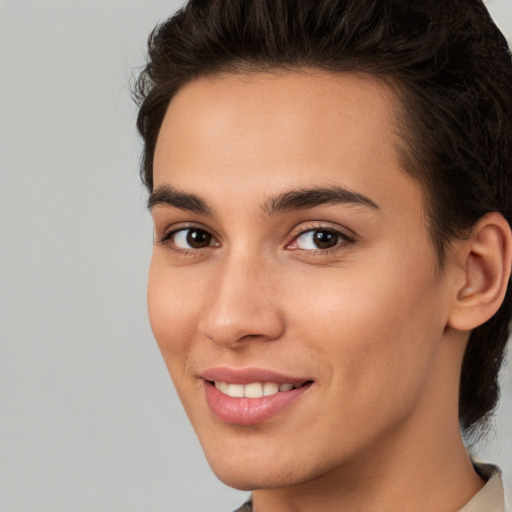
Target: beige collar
pixel 491 497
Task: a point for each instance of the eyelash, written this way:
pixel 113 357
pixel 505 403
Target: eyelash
pixel 344 239
pixel 166 240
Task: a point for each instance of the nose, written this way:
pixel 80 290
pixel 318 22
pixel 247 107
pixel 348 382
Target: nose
pixel 242 304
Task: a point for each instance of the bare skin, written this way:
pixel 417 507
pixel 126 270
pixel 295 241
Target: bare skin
pixel 375 325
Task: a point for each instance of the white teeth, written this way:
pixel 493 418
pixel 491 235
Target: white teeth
pixel 236 390
pixel 270 388
pixel 222 386
pixel 252 390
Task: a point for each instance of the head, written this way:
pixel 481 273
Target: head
pixel 445 72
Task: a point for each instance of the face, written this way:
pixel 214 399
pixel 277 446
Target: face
pixel 293 289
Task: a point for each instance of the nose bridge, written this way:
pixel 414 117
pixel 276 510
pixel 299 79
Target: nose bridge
pixel 242 303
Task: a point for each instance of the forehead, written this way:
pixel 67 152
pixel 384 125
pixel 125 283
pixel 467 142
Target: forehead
pixel 281 128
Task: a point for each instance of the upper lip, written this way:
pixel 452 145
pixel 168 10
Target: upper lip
pixel 248 375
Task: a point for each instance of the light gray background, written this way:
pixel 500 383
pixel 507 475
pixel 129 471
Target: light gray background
pixel 88 417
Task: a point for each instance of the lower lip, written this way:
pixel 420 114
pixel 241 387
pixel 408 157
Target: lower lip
pixel 250 411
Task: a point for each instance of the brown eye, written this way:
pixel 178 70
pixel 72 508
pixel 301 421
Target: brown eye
pixel 315 239
pixel 325 239
pixel 192 238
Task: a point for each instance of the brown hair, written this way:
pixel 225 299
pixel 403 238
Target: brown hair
pixel 453 70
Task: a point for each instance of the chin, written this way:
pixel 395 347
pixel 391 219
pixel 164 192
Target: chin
pixel 245 479
pixel 240 470
pixel 238 481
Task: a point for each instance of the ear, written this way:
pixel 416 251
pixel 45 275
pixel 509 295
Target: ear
pixel 485 259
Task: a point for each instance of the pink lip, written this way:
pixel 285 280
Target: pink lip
pixel 248 375
pixel 250 411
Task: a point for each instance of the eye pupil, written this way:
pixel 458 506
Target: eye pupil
pixel 198 238
pixel 325 239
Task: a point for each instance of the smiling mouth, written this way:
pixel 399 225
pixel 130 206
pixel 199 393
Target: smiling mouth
pixel 252 396
pixel 255 389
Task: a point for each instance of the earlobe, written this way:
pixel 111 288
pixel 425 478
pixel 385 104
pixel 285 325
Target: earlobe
pixel 485 258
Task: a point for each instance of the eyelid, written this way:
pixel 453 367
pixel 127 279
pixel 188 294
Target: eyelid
pixel 171 230
pixel 303 227
pixel 347 235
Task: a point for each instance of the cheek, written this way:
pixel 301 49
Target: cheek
pixel 173 310
pixel 376 327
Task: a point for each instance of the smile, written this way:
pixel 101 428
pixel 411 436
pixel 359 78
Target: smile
pixel 252 396
pixel 253 389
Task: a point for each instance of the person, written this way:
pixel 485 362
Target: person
pixel 330 185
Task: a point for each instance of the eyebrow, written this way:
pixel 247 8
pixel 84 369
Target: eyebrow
pixel 166 195
pixel 304 198
pixel 297 199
